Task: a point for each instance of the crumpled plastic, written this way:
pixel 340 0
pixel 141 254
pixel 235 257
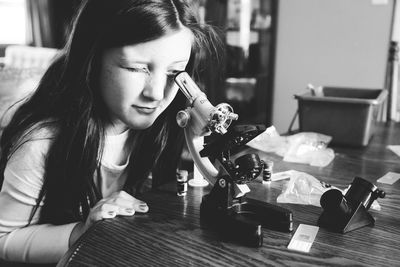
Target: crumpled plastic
pixel 305 147
pixel 303 188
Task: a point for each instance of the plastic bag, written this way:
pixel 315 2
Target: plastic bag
pixel 303 188
pixel 306 147
pixel 311 148
pixel 270 141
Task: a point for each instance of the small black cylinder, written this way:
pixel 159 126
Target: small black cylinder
pixel 333 201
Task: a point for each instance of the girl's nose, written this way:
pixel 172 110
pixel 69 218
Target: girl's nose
pixel 155 86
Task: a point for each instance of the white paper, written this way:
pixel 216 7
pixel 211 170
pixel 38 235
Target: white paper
pixel 389 178
pixel 303 238
pixel 379 2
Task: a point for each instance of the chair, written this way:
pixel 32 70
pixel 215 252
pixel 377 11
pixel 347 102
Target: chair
pixel 20 56
pixel 21 70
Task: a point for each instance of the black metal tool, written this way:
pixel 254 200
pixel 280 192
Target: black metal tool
pixel 345 213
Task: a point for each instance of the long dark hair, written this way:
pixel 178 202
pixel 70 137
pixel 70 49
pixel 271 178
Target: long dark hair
pixel 67 101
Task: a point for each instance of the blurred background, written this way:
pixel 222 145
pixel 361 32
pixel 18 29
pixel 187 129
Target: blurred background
pixel 274 49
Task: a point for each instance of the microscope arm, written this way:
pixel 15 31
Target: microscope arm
pixel 199 119
pixel 195 144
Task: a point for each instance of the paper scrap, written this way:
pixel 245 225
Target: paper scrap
pixel 395 149
pixel 303 238
pixel 281 175
pixel 389 178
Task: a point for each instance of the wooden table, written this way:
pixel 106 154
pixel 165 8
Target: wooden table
pixel 171 234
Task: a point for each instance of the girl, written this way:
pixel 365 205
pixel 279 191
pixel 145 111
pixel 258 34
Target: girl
pixel 103 117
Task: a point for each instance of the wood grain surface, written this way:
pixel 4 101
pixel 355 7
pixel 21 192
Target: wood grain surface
pixel 171 233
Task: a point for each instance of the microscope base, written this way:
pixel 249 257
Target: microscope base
pixel 243 222
pixel 270 216
pixel 198 182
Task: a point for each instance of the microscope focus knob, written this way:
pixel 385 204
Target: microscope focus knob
pixel 380 193
pixel 182 118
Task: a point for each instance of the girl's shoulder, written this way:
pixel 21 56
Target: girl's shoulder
pixel 25 167
pixel 40 132
pixel 36 139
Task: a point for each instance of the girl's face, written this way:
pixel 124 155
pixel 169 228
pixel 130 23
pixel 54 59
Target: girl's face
pixel 137 81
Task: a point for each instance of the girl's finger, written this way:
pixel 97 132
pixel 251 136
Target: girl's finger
pixel 140 206
pixel 126 211
pixel 122 202
pixel 112 210
pixel 108 214
pixel 123 199
pixel 100 213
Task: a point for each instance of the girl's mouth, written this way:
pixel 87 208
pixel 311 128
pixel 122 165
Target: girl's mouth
pixel 145 110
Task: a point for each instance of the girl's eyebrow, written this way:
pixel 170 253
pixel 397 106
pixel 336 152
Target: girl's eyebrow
pixel 140 61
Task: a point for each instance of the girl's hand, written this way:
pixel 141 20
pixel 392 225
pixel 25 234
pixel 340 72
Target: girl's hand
pixel 119 203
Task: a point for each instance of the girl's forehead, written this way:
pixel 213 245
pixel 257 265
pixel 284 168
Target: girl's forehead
pixel 174 47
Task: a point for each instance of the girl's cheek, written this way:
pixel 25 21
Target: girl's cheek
pixel 171 91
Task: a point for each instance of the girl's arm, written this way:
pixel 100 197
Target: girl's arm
pixel 45 243
pixel 40 243
pixel 23 180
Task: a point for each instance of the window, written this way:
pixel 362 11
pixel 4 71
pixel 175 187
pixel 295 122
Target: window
pixel 13 22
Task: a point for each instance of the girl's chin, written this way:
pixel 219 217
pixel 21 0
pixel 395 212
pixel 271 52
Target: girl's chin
pixel 140 121
pixel 141 125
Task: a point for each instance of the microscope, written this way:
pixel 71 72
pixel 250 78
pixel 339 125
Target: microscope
pixel 226 208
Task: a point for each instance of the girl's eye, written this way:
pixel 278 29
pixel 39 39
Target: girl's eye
pixel 143 70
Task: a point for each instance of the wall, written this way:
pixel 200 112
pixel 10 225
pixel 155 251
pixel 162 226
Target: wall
pixel 328 42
